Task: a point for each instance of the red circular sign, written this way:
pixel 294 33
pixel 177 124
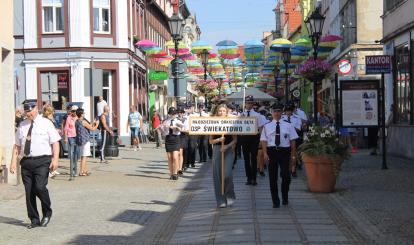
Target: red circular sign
pixel 344 67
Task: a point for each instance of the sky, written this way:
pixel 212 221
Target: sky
pixel 237 20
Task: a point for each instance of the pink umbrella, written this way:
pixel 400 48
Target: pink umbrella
pixel 331 38
pixel 145 43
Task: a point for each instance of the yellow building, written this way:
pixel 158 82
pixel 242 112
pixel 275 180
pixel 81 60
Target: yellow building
pixel 6 88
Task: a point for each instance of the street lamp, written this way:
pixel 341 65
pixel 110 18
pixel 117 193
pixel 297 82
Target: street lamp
pixel 176 27
pixel 314 24
pixel 204 59
pixel 286 55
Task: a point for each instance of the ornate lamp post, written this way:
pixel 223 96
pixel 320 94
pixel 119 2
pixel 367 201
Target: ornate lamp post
pixel 286 55
pixel 204 59
pixel 176 27
pixel 314 24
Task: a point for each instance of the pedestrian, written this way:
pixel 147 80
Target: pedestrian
pixel 37 144
pixel 202 139
pixel 192 140
pixel 296 122
pixel 156 123
pixel 183 162
pixel 261 164
pixel 279 147
pixel 70 138
pixel 144 130
pixel 83 128
pixel 48 112
pixel 250 143
pixel 18 118
pixel 226 199
pixel 134 124
pixel 105 130
pixel 171 127
pixel 100 106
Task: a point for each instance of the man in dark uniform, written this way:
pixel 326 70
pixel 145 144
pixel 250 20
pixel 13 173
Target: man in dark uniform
pixel 202 139
pixel 192 139
pixel 37 143
pixel 250 143
pixel 279 147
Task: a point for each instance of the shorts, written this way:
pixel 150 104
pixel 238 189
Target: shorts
pixel 85 150
pixel 135 132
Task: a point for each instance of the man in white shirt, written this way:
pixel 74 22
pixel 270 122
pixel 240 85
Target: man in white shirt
pixel 250 143
pixel 37 143
pixel 100 106
pixel 279 146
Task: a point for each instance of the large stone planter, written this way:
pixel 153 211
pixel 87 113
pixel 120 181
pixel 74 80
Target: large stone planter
pixel 320 172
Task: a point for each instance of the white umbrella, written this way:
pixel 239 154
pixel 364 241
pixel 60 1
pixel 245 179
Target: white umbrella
pixel 257 95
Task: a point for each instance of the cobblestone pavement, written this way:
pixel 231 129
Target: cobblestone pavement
pixel 131 201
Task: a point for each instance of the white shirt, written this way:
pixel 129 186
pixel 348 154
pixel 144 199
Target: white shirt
pixel 167 123
pixel 300 114
pixel 294 120
pixel 100 107
pixel 287 133
pixel 261 120
pixel 44 134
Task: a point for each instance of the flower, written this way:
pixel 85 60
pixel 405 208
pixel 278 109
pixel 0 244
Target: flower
pixel 323 141
pixel 315 70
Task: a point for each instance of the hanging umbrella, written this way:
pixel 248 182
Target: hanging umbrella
pixel 158 55
pixel 253 44
pixel 198 47
pixel 145 44
pixel 280 44
pixel 331 38
pixel 226 43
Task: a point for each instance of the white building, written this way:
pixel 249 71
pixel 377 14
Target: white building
pixel 57 41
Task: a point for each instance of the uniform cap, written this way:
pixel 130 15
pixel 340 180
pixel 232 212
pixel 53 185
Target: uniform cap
pixel 28 105
pixel 249 98
pixel 74 108
pixel 277 106
pixel 172 111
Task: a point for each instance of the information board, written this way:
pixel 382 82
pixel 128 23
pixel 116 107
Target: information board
pixel 359 103
pixel 223 126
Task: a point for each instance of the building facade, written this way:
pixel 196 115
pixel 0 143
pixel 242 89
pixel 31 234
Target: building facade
pixel 7 88
pixel 398 39
pixel 58 41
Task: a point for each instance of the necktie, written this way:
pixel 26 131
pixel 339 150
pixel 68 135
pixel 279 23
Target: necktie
pixel 277 137
pixel 171 131
pixel 289 119
pixel 248 113
pixel 28 141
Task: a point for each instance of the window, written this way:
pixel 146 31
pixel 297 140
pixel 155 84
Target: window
pixel 101 16
pixel 55 88
pixel 390 4
pixel 52 13
pixel 402 85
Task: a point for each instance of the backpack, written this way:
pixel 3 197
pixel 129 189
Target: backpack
pixel 82 133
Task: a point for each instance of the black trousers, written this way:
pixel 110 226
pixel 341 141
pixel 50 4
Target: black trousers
pixel 35 174
pixel 250 145
pixel 191 149
pixel 202 147
pixel 184 146
pixel 279 158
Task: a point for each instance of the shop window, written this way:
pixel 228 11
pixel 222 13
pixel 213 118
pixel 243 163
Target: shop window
pixel 101 16
pixel 52 13
pixel 55 88
pixel 402 85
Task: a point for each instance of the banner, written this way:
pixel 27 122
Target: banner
pixel 223 125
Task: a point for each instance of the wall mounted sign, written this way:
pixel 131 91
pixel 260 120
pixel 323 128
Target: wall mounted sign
pixel 344 67
pixel 377 64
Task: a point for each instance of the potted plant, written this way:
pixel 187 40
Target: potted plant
pixel 315 70
pixel 322 155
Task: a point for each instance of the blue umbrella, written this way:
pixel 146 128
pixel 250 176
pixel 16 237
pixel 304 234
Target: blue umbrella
pixel 226 43
pixel 253 43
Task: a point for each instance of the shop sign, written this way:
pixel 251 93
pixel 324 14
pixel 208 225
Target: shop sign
pixel 223 125
pixel 377 64
pixel 62 80
pixel 158 75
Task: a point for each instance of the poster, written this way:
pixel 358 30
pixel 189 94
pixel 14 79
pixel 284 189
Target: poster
pixel 359 103
pixel 223 125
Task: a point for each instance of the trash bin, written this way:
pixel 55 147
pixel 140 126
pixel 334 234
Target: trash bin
pixel 111 148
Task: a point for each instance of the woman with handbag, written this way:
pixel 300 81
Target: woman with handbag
pixel 230 141
pixel 83 128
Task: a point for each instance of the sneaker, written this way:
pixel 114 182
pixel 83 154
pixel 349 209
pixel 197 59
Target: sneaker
pixel 135 149
pixel 230 202
pixel 140 148
pixel 51 175
pixel 55 172
pixel 223 205
pixel 180 172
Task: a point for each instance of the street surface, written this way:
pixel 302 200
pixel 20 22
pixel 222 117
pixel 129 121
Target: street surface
pixel 132 201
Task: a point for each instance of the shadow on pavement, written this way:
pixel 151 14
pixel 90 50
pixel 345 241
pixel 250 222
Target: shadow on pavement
pixel 11 221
